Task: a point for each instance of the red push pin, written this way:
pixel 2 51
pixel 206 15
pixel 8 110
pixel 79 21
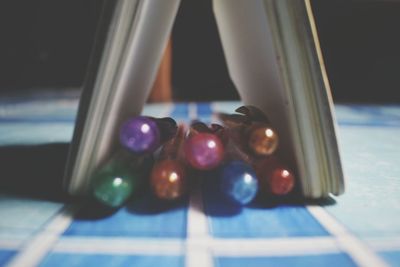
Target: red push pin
pixel 274 177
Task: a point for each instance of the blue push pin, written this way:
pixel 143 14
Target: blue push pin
pixel 238 182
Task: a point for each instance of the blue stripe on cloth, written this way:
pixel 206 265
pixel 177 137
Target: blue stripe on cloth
pixel 376 124
pixel 143 216
pixel 100 260
pixel 180 112
pixel 326 260
pixel 377 112
pixel 230 221
pixel 226 106
pixel 282 221
pixel 6 255
pixel 157 109
pixel 204 111
pixel 368 115
pixel 391 257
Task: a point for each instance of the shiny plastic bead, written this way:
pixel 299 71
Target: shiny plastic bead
pixel 238 182
pixel 281 181
pixel 263 141
pixel 204 151
pixel 114 182
pixel 274 177
pixel 113 188
pixel 140 135
pixel 168 179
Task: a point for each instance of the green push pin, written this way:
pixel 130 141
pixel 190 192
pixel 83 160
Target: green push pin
pixel 119 178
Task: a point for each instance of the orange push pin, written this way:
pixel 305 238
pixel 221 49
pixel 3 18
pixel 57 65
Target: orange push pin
pixel 262 140
pixel 168 176
pixel 251 130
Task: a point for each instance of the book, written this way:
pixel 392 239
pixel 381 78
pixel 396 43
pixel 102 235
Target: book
pixel 275 61
pixel 273 57
pixel 130 40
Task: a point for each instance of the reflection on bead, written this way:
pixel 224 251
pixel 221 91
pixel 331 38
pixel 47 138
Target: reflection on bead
pixel 274 177
pixel 238 182
pixel 140 135
pixel 168 179
pixel 114 182
pixel 204 151
pixel 263 141
pixel 113 188
pixel 281 181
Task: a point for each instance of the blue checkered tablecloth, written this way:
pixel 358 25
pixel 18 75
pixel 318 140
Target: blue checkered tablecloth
pixel 360 228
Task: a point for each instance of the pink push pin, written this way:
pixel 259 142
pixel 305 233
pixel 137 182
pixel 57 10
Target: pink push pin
pixel 203 149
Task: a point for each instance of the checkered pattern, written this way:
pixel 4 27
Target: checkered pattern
pixel 361 228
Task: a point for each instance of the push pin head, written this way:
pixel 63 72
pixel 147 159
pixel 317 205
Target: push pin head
pixel 274 177
pixel 251 130
pixel 281 181
pixel 204 151
pixel 263 140
pixel 168 179
pixel 238 182
pixel 113 188
pixel 115 181
pixel 140 135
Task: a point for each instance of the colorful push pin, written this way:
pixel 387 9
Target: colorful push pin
pixel 168 176
pixel 251 130
pixel 115 181
pixel 168 179
pixel 281 181
pixel 143 134
pixel 203 149
pixel 274 177
pixel 238 182
pixel 262 140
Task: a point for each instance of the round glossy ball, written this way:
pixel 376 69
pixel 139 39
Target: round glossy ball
pixel 263 141
pixel 113 188
pixel 274 177
pixel 239 182
pixel 168 179
pixel 204 151
pixel 281 181
pixel 140 135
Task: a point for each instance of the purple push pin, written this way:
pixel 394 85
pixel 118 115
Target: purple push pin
pixel 143 134
pixel 140 135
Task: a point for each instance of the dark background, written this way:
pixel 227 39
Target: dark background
pixel 47 43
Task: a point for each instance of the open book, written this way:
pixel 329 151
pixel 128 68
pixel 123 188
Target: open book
pixel 274 60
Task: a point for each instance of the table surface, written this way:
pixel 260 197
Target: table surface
pixel 360 228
